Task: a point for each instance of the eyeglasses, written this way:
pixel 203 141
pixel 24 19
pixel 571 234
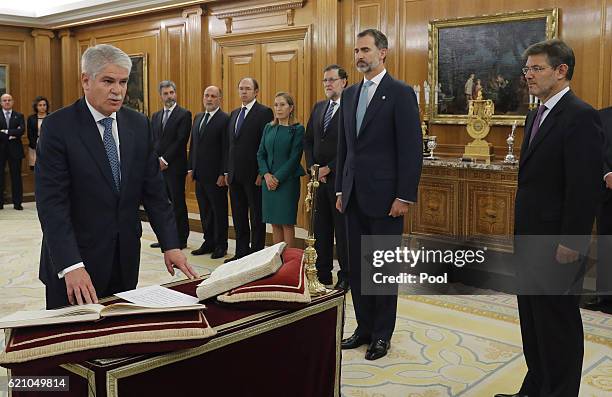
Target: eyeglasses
pixel 536 69
pixel 330 80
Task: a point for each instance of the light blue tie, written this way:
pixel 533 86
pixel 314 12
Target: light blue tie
pixel 363 103
pixel 111 150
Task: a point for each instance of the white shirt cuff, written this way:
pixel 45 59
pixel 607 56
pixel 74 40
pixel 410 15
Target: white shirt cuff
pixel 607 173
pixel 69 269
pixel 405 201
pixel 163 160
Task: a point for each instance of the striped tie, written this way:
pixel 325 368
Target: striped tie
pixel 328 115
pixel 111 150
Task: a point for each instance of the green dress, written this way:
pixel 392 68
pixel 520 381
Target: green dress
pixel 280 152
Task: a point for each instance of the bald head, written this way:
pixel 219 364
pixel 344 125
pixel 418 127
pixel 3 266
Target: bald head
pixel 7 102
pixel 212 98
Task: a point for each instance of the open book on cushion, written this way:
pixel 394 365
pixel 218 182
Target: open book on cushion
pixel 285 289
pixel 242 271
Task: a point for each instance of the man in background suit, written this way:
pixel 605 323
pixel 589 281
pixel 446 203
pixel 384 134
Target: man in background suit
pixel 95 165
pixel 244 131
pixel 171 131
pixel 206 157
pixel 603 300
pixel 380 161
pixel 320 147
pixel 12 127
pixel 559 192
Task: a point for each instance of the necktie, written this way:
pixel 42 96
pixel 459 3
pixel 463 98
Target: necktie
pixel 536 122
pixel 203 125
pixel 165 119
pixel 240 121
pixel 111 150
pixel 328 115
pixel 363 103
pixel 7 117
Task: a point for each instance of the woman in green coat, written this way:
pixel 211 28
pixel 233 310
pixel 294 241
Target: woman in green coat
pixel 278 157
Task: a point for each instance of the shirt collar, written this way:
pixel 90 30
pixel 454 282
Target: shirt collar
pixel 212 113
pixel 337 101
pixel 171 108
pixel 376 79
pixel 552 101
pixel 97 115
pixel 250 105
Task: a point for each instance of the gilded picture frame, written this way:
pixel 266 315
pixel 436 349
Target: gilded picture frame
pixel 137 95
pixel 484 53
pixel 4 79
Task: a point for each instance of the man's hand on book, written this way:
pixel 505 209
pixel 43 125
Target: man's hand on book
pixel 175 258
pixel 79 287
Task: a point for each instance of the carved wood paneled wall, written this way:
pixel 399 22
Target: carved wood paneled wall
pixel 286 44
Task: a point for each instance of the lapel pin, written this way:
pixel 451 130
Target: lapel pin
pixel 384 97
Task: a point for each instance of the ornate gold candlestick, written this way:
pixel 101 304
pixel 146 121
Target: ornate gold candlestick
pixel 310 254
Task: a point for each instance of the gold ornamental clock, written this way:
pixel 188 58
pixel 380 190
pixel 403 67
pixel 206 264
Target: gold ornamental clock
pixel 478 126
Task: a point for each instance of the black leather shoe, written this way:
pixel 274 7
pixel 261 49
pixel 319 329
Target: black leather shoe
pixel 600 304
pixel 204 249
pixel 218 253
pixel 354 341
pixel 18 207
pixel 511 395
pixel 233 258
pixel 342 285
pixel 377 349
pixel 155 245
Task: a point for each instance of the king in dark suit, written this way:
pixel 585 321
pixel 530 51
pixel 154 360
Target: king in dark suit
pixel 559 191
pixel 12 127
pixel 380 161
pixel 244 132
pixel 171 127
pixel 207 152
pixel 95 166
pixel 320 147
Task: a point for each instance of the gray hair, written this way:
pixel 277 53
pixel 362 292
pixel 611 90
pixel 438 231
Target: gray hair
pixel 166 83
pixel 96 58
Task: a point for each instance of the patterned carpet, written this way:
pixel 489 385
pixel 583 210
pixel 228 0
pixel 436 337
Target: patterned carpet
pixel 442 345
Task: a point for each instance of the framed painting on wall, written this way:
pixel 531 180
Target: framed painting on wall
pixel 4 79
pixel 137 95
pixel 484 54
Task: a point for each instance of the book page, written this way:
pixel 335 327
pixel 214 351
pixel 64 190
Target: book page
pixel 249 262
pixel 41 317
pixel 157 296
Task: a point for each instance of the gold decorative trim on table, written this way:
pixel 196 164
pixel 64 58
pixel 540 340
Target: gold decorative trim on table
pixel 86 373
pixel 113 376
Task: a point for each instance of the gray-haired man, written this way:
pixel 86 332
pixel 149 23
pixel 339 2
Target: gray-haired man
pixel 95 166
pixel 170 128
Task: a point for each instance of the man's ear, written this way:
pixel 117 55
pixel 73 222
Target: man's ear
pixel 563 69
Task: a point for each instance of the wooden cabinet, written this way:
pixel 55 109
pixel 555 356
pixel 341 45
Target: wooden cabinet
pixel 466 203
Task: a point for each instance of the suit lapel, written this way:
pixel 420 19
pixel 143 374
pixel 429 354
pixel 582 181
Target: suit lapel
pixel 379 98
pixel 126 148
pixel 352 101
pixel 90 135
pixel 547 124
pixel 321 118
pixel 526 135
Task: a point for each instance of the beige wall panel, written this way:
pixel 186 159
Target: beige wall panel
pixel 238 62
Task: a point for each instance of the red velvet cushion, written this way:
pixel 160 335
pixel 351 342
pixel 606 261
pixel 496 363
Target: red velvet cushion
pixel 285 289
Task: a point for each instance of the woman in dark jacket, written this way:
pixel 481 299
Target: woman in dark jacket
pixel 41 110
